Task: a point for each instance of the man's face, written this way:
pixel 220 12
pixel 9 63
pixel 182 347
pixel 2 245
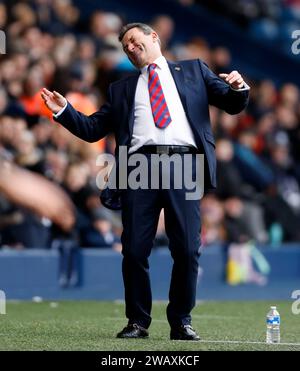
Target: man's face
pixel 140 48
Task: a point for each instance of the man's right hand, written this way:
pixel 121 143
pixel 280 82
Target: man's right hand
pixel 53 100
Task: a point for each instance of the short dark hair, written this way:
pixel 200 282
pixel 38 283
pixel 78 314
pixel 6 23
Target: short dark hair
pixel 145 28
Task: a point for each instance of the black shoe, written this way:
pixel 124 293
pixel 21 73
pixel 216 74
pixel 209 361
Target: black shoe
pixel 184 332
pixel 133 331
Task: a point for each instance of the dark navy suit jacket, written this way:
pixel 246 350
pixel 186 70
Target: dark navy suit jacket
pixel 197 86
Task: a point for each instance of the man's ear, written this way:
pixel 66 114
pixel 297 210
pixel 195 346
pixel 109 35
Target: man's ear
pixel 154 36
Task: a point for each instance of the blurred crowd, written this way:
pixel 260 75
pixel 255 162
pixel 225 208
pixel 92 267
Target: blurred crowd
pixel 268 21
pixel 50 45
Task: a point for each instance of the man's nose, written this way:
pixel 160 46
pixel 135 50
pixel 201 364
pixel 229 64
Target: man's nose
pixel 131 48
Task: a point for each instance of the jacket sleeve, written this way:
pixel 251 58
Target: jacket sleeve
pixel 89 128
pixel 221 95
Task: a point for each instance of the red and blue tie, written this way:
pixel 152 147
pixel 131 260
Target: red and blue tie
pixel 160 111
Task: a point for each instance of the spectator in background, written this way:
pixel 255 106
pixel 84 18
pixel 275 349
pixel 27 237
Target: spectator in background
pixel 100 233
pixel 244 221
pixel 283 168
pixel 42 131
pixel 3 100
pixel 3 16
pixel 225 125
pixel 212 214
pixel 164 26
pixel 264 100
pixel 251 167
pixel 76 183
pixel 56 165
pixel 220 59
pixel 228 176
pixel 28 155
pixel 31 98
pixel 105 27
pixel 25 229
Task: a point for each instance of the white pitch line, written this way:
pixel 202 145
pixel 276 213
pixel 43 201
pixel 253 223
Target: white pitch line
pixel 245 342
pixel 122 319
pixel 212 316
pixel 196 317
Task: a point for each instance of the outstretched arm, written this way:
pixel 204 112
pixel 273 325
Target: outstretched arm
pixel 89 128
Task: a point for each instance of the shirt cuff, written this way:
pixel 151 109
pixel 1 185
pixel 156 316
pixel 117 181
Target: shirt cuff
pixel 56 115
pixel 244 88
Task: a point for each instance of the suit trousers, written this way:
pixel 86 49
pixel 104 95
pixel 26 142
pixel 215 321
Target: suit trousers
pixel 140 213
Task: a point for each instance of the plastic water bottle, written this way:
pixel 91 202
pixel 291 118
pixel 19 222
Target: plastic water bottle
pixel 276 235
pixel 273 326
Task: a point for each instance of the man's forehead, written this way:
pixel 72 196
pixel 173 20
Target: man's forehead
pixel 132 32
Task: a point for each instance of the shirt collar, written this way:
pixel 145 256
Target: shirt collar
pixel 161 62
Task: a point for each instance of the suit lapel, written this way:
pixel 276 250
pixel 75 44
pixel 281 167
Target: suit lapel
pixel 130 94
pixel 178 76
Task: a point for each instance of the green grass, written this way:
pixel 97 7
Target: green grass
pixel 84 325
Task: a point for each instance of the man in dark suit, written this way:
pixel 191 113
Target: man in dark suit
pixel 162 109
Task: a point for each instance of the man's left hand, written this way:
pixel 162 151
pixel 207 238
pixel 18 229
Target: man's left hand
pixel 234 79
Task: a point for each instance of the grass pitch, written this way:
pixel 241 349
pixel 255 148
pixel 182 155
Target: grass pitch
pixel 84 325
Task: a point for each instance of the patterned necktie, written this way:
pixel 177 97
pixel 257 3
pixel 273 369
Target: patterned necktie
pixel 160 111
